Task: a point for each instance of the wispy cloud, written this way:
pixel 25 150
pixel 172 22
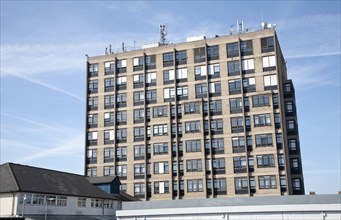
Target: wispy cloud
pixel 313 55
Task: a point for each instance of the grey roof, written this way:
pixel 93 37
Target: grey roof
pixel 22 178
pixel 237 201
pixel 102 179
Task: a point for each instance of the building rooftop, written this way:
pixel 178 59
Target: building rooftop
pixel 22 178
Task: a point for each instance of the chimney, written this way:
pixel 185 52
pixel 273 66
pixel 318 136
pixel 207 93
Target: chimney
pixel 312 193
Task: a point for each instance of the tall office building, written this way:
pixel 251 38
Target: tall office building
pixel 206 118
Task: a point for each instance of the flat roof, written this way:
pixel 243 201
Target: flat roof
pixel 238 201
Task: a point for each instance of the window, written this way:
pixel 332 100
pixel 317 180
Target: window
pixel 246 48
pixel 237 124
pixel 109 136
pixel 93 86
pixel 238 144
pixel 292 144
pixel 109 67
pixel 138 98
pixel 275 100
pixel 123 187
pixel 139 170
pixel 232 49
pixel 160 111
pixel 109 154
pixel 199 54
pixel 92 138
pixel 150 62
pixel 109 84
pixel 201 90
pixel 138 115
pixel 214 88
pixel 192 126
pixel 249 85
pixel 267 44
pixel 121 117
pixel 121 66
pixel 289 108
pixel 98 203
pixel 81 202
pixel 139 152
pixel 218 165
pixel 241 185
pixel 181 75
pixel 139 134
pixel 160 148
pixel 138 80
pixel 215 107
pixel 218 146
pixel 121 153
pixel 121 170
pixel 269 63
pixel 92 103
pixel 182 92
pixel 247 123
pixel 93 69
pixel 92 120
pixel 92 156
pixel 168 94
pixel 265 161
pixel 263 140
pixel 192 108
pixel 233 68
pixel 249 142
pixel 121 135
pixel 260 100
pixel 236 105
pixel 161 167
pixel 248 66
pixel 251 164
pixel 161 187
pixel 287 88
pixel 277 120
pixel 151 96
pixel 214 70
pixel 200 72
pixel 181 57
pixel 138 63
pixel 219 186
pixel 194 185
pixel 139 189
pixel 150 79
pixel 159 130
pixel 109 101
pixel 291 127
pixel 281 161
pixel 246 104
pixel 270 82
pixel 121 100
pixel 168 59
pixel 279 140
pixel 217 126
pixel 194 165
pixel 109 118
pixel 193 146
pixel 213 52
pixel 234 87
pixel 91 172
pixel 121 82
pixel 262 120
pixel 296 184
pixel 267 182
pixel 239 164
pixel 168 76
pixel 109 171
pixel 294 163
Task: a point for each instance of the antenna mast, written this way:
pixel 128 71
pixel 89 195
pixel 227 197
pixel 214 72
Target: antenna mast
pixel 163 34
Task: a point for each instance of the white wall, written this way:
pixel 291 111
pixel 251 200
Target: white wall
pixel 7 204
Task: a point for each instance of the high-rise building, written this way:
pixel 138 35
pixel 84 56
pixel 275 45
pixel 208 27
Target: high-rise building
pixel 206 118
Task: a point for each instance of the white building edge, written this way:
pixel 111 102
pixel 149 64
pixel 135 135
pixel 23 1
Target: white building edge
pixel 325 207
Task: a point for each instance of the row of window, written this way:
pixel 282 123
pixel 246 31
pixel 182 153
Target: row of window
pixel 218 166
pixel 216 127
pixel 201 90
pixel 235 49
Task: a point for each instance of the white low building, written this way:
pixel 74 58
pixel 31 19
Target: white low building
pixel 38 193
pixel 298 207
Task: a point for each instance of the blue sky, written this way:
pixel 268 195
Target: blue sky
pixel 43 47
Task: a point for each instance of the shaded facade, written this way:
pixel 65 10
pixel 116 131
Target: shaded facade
pixel 206 118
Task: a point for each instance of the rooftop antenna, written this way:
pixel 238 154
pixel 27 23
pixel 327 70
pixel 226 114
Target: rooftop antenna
pixel 110 48
pixel 231 30
pixel 163 34
pixel 240 26
pixel 122 46
pixel 106 50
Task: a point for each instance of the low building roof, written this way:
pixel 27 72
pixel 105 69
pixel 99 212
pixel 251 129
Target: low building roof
pixel 23 178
